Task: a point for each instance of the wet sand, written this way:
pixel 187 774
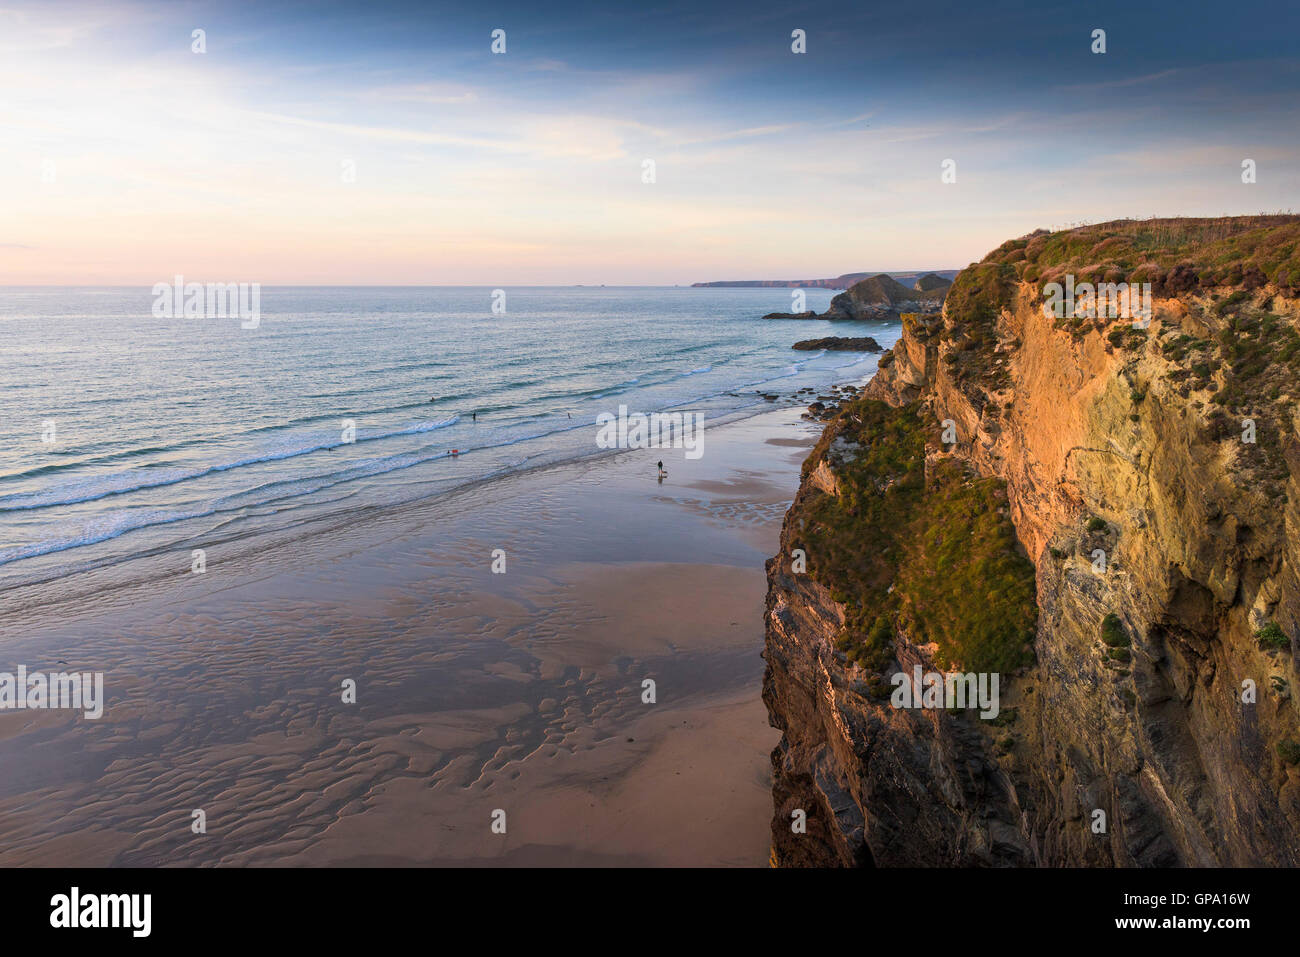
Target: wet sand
pixel 476 692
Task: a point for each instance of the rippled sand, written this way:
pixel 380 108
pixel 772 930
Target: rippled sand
pixel 476 691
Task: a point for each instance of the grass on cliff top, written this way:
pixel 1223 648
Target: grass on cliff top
pixel 1174 255
pixel 935 556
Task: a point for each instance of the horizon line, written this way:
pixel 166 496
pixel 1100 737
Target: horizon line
pixel 699 284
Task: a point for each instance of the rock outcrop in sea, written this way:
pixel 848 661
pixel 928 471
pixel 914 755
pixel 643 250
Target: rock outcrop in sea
pixel 879 297
pixel 839 344
pixel 1104 513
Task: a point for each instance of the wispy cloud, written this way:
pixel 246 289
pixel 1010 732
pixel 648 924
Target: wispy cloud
pixel 554 136
pixel 528 166
pixel 36 30
pixel 1122 82
pixel 440 93
pixel 853 120
pixel 745 134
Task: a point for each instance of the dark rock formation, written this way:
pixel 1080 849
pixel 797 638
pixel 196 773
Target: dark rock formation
pixel 839 343
pixel 878 297
pixel 931 282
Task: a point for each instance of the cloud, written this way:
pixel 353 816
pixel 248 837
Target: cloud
pixel 440 93
pixel 529 165
pixel 1126 82
pixel 42 31
pixel 748 133
pixel 592 138
pixel 853 119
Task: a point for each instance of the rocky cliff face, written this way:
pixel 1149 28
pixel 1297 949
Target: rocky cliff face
pixel 1149 476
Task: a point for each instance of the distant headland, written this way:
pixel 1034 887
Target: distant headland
pixel 839 282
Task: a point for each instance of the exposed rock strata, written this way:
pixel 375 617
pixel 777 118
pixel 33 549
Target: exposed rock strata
pixel 1109 439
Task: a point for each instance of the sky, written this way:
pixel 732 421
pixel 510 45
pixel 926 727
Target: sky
pixel 386 143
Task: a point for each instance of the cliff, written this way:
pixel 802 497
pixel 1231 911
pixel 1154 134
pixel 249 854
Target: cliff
pixel 1101 513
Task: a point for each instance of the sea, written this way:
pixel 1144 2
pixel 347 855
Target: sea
pixel 124 435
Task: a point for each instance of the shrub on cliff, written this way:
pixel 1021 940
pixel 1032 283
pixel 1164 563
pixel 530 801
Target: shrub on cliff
pixel 1288 751
pixel 936 556
pixel 1112 632
pixel 1272 636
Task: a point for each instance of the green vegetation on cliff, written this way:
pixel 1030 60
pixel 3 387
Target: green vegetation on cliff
pixel 1112 632
pixel 934 554
pixel 1177 257
pixel 974 302
pixel 1273 637
pixel 1174 255
pixel 1289 751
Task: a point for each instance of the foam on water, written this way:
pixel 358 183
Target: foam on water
pixel 163 425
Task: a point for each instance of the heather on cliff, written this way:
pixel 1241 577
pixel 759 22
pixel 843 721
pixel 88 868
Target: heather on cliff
pixel 1175 255
pixel 901 546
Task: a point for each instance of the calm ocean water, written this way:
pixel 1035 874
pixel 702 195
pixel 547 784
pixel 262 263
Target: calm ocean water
pixel 173 432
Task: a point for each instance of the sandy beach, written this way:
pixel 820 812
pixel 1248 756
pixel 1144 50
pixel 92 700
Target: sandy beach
pixel 475 691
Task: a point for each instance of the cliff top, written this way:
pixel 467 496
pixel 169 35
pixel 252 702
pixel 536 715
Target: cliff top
pixel 1174 255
